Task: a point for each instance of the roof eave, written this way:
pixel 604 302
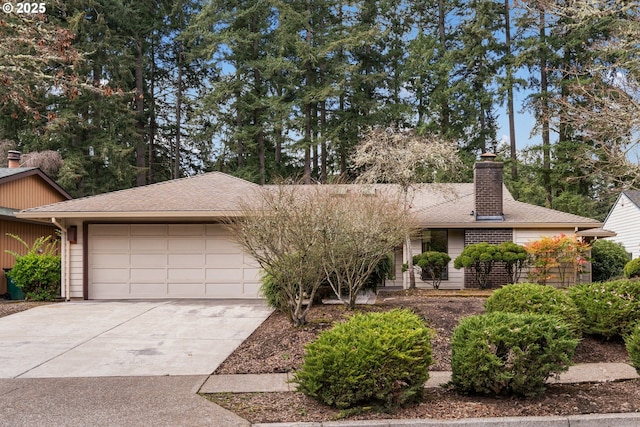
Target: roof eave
pixel 136 215
pixel 507 224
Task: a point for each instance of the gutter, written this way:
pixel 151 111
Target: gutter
pixel 66 248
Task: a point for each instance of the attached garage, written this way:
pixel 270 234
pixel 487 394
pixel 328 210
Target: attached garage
pixel 147 261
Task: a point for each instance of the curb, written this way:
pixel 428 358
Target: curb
pixel 264 383
pixel 587 420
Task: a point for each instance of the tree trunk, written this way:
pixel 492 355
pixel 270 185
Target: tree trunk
pixel 444 106
pixel 323 145
pixel 308 108
pixel 239 143
pixel 544 112
pixel 176 153
pixel 141 176
pixel 152 118
pixel 510 108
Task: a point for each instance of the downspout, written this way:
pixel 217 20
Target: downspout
pixel 67 253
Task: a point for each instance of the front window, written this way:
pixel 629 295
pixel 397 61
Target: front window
pixel 435 240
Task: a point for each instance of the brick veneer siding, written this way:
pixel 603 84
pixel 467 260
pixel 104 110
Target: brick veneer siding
pixel 498 276
pixel 488 188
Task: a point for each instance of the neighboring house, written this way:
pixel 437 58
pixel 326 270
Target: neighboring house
pixel 167 240
pixel 22 188
pixel 624 220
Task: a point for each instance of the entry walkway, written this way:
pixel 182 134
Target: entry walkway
pixel 264 383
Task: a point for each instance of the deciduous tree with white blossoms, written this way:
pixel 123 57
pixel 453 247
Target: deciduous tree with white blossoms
pixel 403 157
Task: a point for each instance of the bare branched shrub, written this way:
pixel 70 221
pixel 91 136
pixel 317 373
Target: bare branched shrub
pixel 304 236
pixel 278 232
pixel 357 233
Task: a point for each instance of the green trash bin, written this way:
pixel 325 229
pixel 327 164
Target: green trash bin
pixel 14 291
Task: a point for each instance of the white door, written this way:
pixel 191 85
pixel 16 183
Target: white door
pixel 129 261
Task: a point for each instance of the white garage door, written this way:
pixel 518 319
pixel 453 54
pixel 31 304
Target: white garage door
pixel 168 261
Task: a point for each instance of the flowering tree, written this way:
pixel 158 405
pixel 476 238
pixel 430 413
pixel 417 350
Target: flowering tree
pixel 558 257
pixel 403 157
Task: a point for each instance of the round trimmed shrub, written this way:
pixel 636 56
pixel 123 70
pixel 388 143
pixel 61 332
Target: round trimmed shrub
pixel 632 268
pixel 509 353
pixel 374 358
pixel 537 299
pixel 632 342
pixel 608 259
pixel 608 309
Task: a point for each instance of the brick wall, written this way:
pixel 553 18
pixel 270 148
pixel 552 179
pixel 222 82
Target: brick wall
pixel 498 276
pixel 488 188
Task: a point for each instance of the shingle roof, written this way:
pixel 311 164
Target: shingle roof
pixel 634 196
pixel 217 194
pixel 8 212
pixel 212 193
pixel 5 172
pixel 459 213
pixel 451 205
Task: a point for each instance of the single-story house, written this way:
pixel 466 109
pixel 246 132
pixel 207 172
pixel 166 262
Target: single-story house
pixel 22 188
pixel 624 220
pixel 167 240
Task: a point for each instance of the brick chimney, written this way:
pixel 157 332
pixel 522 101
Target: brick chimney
pixel 487 178
pixel 14 159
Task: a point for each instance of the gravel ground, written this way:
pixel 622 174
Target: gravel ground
pixel 8 307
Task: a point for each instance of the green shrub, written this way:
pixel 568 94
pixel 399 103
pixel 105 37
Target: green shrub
pixel 632 268
pixel 433 264
pixel 607 309
pixel 274 293
pixel 375 358
pixel 38 272
pixel 382 272
pixel 480 258
pixel 538 299
pixel 515 258
pixel 632 342
pixel 608 259
pixel 508 353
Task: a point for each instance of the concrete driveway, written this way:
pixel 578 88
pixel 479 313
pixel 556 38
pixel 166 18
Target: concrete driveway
pixel 125 338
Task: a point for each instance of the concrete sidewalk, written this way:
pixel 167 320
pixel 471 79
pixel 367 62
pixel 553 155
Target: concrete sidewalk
pixel 265 383
pixel 110 402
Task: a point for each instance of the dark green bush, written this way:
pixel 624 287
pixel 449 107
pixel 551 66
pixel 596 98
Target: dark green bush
pixel 382 272
pixel 632 268
pixel 480 258
pixel 632 342
pixel 433 264
pixel 515 258
pixel 37 272
pixel 508 353
pixel 538 299
pixel 607 309
pixel 274 293
pixel 374 358
pixel 608 259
